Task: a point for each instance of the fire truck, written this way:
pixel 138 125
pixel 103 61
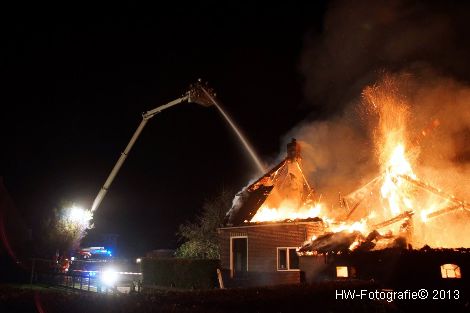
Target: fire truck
pixel 93 253
pixel 86 259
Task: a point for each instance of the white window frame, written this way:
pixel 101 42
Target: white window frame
pixel 457 271
pixel 348 271
pixel 288 269
pixel 231 253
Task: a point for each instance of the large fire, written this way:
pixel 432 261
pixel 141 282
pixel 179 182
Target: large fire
pixel 403 204
pixel 286 211
pixel 394 189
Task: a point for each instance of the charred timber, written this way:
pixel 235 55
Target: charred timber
pixel 436 191
pixel 443 211
pixel 407 214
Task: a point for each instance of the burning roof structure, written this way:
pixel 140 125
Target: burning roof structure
pixel 281 194
pixel 396 208
pixel 284 194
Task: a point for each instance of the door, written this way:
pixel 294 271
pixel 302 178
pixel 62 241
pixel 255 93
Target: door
pixel 239 256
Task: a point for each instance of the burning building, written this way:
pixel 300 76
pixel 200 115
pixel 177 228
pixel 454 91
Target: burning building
pixel 269 220
pixel 280 230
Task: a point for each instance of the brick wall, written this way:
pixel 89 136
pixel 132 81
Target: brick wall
pixel 263 241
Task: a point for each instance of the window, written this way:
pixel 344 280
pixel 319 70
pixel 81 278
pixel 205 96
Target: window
pixel 287 259
pixel 450 271
pixel 342 272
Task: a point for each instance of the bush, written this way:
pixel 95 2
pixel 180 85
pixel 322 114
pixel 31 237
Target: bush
pixel 180 273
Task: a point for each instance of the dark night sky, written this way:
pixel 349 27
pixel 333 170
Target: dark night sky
pixel 76 79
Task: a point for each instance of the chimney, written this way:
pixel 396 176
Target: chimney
pixel 293 150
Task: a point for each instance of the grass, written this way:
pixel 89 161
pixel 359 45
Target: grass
pixel 288 298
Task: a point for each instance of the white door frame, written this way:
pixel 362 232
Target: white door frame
pixel 231 253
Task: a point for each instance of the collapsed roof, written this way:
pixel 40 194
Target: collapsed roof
pixel 284 181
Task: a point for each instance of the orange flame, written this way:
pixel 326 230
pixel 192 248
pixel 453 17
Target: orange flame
pixel 286 211
pixel 394 190
pixel 360 226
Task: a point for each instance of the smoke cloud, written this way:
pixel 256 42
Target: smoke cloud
pixel 421 48
pixel 361 38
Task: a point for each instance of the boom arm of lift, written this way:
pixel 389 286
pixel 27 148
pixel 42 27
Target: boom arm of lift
pixel 197 93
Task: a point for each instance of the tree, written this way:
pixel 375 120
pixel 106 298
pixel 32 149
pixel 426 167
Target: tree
pixel 200 237
pixel 60 231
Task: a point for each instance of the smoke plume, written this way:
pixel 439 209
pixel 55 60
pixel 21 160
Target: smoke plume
pixel 360 38
pixel 418 47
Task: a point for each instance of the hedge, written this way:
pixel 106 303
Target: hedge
pixel 180 273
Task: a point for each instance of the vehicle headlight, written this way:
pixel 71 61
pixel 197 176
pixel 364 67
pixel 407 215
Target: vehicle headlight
pixel 109 277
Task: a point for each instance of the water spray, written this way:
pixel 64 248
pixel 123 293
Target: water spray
pixel 237 131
